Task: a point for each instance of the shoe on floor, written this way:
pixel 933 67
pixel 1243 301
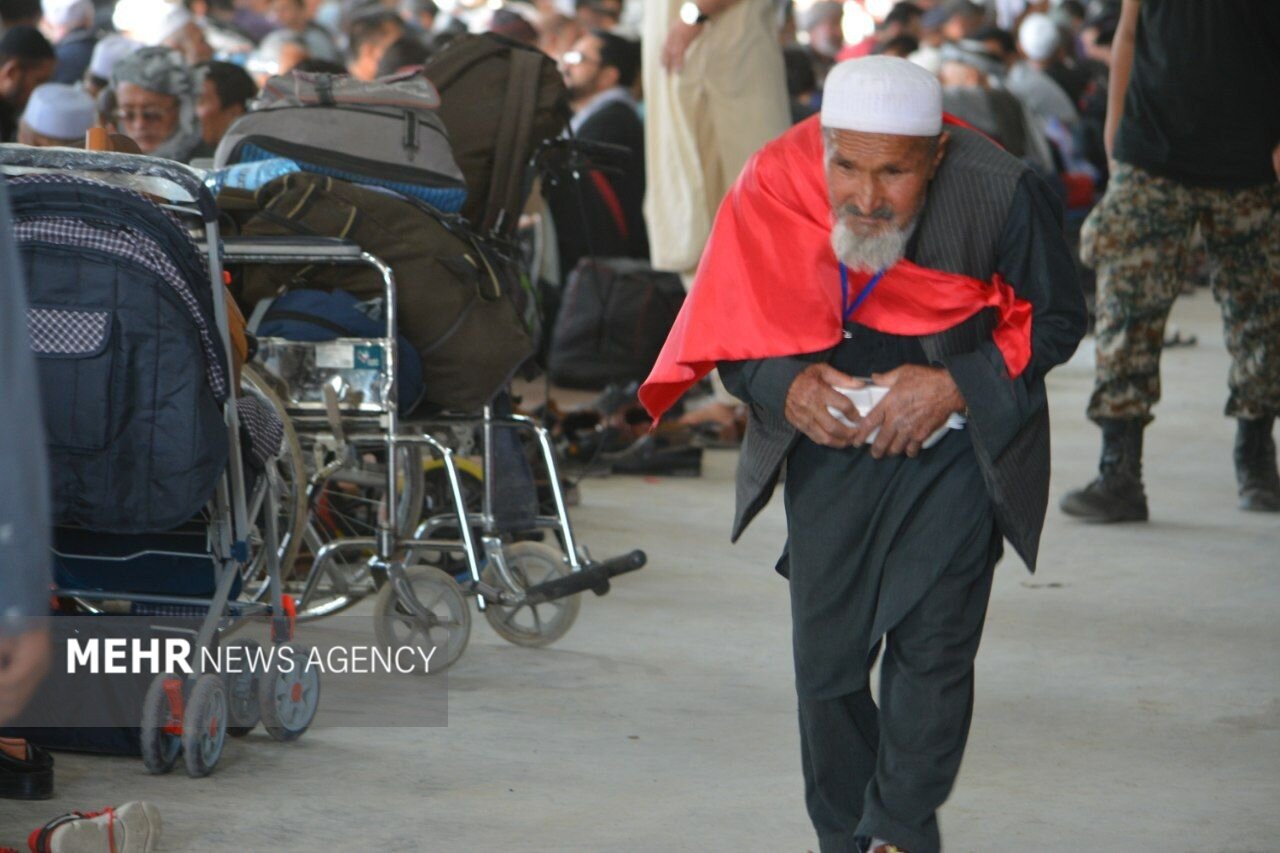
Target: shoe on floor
pixel 1117 494
pixel 31 779
pixel 131 828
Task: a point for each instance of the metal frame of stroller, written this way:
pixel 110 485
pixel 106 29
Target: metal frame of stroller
pixel 322 406
pixel 195 714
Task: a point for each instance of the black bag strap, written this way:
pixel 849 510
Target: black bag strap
pixel 502 208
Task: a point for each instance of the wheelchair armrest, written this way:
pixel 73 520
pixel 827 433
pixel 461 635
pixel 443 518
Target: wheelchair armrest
pixel 288 249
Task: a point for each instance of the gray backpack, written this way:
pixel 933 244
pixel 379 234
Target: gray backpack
pixel 384 133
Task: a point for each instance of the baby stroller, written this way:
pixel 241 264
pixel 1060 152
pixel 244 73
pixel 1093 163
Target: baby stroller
pixel 164 492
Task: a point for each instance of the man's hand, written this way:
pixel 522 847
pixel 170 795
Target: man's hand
pixel 23 661
pixel 919 401
pixel 679 37
pixel 807 401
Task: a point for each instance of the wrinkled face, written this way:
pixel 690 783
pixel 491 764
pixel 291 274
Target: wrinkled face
pixel 148 118
pixel 877 184
pixel 878 181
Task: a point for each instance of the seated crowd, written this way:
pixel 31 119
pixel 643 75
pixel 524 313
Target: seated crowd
pixel 173 76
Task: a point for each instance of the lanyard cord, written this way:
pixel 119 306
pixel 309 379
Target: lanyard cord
pixel 862 294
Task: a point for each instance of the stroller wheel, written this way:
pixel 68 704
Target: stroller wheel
pixel 531 563
pixel 160 748
pixel 288 696
pixel 204 726
pixel 396 627
pixel 243 712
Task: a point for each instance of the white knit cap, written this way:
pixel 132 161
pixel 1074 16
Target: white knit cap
pixel 62 13
pixel 107 52
pixel 60 111
pixel 882 94
pixel 1038 37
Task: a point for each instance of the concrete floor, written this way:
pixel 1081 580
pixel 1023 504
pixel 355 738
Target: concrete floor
pixel 1128 694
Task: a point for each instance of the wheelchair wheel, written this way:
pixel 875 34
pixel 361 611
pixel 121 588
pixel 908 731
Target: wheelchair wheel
pixel 160 749
pixel 531 563
pixel 204 725
pixel 243 713
pixel 289 695
pixel 395 627
pixel 290 475
pixel 349 505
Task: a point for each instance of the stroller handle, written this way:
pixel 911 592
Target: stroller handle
pixel 72 159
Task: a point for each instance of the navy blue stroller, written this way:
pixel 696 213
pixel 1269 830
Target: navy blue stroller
pixel 164 494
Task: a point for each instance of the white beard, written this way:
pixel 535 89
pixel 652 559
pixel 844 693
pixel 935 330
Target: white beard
pixel 868 254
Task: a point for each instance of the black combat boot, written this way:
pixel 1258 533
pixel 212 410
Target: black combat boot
pixel 1117 494
pixel 1256 465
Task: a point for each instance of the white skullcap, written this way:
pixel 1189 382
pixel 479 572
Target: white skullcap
pixel 61 13
pixel 107 52
pixel 882 94
pixel 1038 37
pixel 150 21
pixel 60 111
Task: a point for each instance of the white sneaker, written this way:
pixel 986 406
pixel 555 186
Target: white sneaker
pixel 132 828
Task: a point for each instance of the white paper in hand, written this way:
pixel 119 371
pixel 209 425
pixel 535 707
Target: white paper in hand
pixel 868 397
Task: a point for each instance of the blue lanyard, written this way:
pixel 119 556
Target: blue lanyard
pixel 862 294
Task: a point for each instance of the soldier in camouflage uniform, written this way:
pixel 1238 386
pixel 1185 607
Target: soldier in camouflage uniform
pixel 1197 144
pixel 1138 239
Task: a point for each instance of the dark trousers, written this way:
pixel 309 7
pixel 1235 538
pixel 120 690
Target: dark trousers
pixel 883 773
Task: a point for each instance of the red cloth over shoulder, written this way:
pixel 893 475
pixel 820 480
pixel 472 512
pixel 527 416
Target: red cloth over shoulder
pixel 769 284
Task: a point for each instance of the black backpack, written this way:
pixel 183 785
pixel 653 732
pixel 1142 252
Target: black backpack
pixel 614 318
pixel 499 100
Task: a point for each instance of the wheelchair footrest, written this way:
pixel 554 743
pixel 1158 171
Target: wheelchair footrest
pixel 595 578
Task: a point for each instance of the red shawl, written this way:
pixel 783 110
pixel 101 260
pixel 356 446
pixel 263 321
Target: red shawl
pixel 769 284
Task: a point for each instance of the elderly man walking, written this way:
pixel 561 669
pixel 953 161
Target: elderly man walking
pixel 885 243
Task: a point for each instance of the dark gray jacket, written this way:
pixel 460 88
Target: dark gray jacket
pixel 24 491
pixel 985 213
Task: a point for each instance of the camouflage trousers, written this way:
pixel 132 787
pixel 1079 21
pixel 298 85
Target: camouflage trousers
pixel 1138 239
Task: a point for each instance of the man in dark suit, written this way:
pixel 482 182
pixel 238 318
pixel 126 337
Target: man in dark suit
pixel 601 214
pixel 885 246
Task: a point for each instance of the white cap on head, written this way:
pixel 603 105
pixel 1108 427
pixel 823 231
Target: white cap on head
pixel 62 13
pixel 60 111
pixel 1038 37
pixel 107 52
pixel 150 21
pixel 882 94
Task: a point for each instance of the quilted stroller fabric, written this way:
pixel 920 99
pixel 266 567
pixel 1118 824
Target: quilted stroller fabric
pixel 132 372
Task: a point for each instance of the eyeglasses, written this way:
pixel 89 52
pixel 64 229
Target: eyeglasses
pixel 577 57
pixel 151 116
